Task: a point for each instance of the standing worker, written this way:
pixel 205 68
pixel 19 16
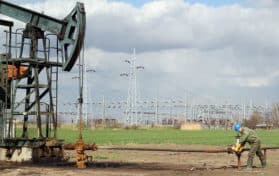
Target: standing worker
pixel 247 135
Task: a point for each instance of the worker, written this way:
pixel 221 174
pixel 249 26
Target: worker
pixel 248 135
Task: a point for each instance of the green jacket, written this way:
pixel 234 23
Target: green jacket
pixel 247 135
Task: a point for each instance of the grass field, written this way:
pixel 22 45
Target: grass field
pixel 161 136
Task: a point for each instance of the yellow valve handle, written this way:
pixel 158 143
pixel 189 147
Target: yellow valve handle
pixel 238 148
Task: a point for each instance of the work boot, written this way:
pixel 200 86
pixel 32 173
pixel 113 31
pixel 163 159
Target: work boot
pixel 263 162
pixel 249 164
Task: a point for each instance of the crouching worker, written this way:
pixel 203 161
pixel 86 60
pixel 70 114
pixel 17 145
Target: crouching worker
pixel 247 135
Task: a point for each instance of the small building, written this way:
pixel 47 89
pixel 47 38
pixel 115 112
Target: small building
pixel 264 126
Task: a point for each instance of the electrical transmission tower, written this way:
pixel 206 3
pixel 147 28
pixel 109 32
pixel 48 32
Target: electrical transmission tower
pixel 131 111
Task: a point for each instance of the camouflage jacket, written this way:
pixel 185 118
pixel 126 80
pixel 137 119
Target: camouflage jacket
pixel 247 135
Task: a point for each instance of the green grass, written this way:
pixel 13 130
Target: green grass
pixel 161 136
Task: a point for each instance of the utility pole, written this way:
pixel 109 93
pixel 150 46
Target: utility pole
pixel 87 95
pixel 157 111
pixel 104 109
pixel 185 107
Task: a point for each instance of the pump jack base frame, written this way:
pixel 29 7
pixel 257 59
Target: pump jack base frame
pixel 31 150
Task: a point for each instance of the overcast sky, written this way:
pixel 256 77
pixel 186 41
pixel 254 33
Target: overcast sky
pixel 221 49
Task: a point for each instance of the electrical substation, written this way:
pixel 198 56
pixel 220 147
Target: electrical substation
pixel 31 64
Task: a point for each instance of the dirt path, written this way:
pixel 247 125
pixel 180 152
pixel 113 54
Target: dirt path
pixel 141 163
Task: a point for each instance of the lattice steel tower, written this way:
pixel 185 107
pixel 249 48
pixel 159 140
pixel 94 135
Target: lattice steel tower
pixel 132 99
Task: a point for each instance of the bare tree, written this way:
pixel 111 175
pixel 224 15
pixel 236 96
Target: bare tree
pixel 254 119
pixel 275 115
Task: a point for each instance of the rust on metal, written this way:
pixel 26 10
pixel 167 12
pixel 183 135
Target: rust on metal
pixel 228 150
pixel 169 150
pixel 92 147
pixel 265 153
pixel 81 156
pixel 238 161
pixel 182 150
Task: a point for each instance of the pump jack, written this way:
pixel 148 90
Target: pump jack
pixel 28 84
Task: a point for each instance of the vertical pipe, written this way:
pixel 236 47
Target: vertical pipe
pixel 10 41
pixel 265 154
pixel 56 90
pixel 238 162
pixel 47 121
pixel 81 72
pixel 15 127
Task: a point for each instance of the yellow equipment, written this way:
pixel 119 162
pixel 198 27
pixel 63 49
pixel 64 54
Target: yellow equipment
pixel 238 148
